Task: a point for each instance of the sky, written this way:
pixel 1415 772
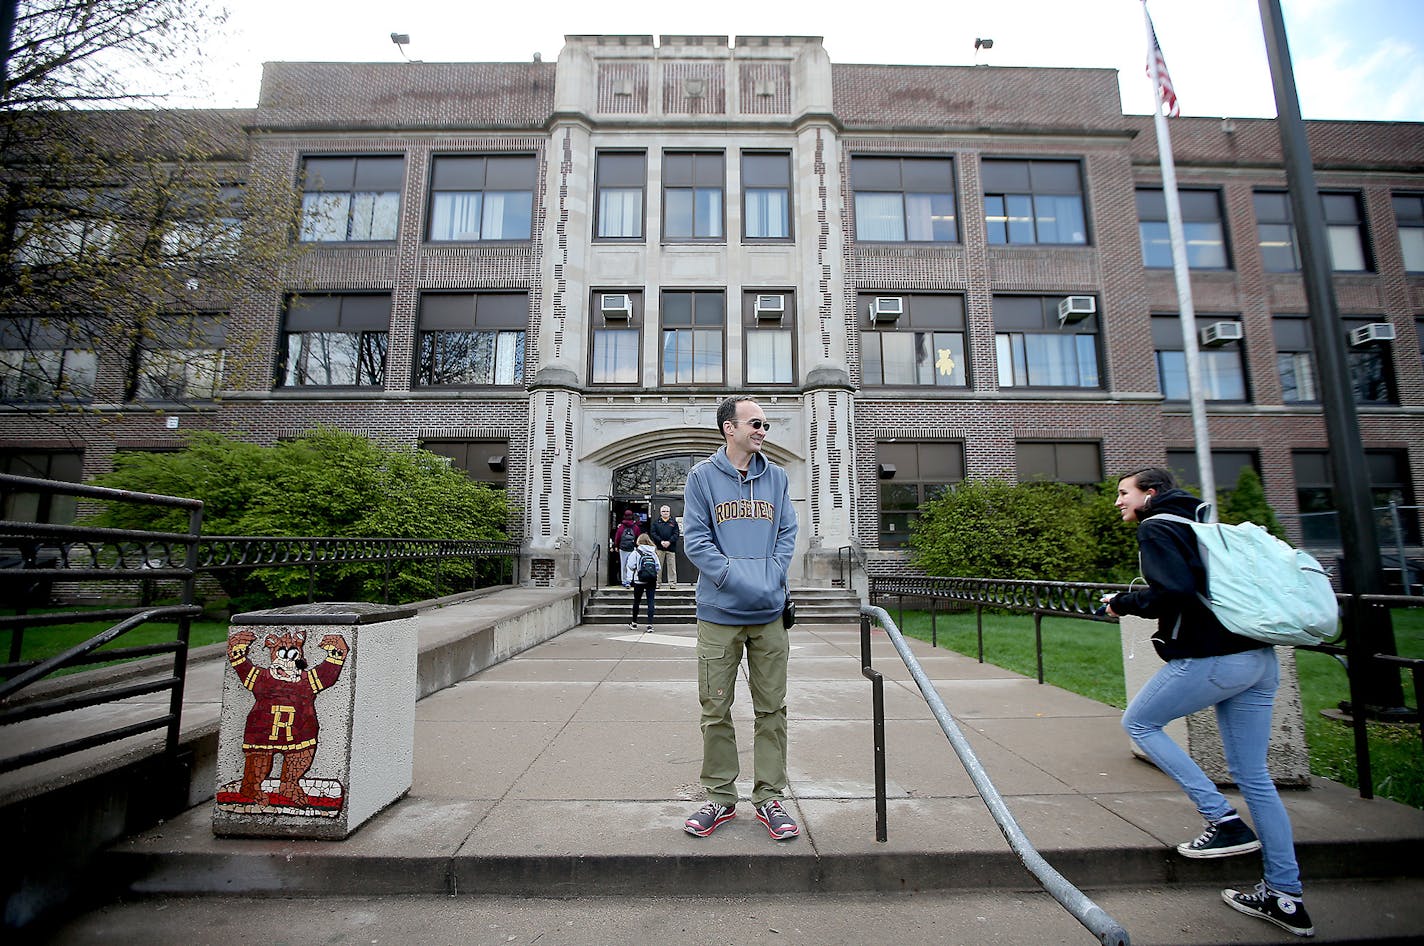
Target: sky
pixel 1353 59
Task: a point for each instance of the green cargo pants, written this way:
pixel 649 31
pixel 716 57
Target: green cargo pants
pixel 719 655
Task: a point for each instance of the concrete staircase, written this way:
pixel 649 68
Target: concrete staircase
pixel 614 605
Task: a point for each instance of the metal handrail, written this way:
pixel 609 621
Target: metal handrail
pixel 42 544
pixel 593 563
pixel 1085 911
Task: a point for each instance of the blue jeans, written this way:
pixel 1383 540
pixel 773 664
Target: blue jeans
pixel 1242 687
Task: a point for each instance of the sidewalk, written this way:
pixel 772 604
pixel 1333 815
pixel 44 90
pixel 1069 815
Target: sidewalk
pixel 567 770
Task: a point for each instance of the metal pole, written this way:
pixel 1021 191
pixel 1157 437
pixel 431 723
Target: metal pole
pixel 1349 474
pixel 1206 472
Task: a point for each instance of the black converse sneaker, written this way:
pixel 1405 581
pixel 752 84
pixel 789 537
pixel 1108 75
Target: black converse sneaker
pixel 1222 838
pixel 1282 909
pixel 709 818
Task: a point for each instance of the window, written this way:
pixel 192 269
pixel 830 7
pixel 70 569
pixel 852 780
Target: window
pixel 766 196
pixel 1344 225
pixel 1295 359
pixel 351 199
pixel 769 320
pixel 912 474
pixel 900 200
pixel 335 341
pixel 1201 227
pixel 472 338
pixel 694 324
pixel 692 195
pixel 75 225
pixel 1371 368
pixel 207 231
pixel 616 320
pixel 1390 481
pixel 1035 351
pixel 1060 462
pixel 180 358
pixel 476 197
pixel 46 360
pixel 1223 375
pixel 1409 218
pixel 622 177
pixel 1034 202
pixel 924 345
pixel 1226 467
pixel 65 466
pixel 483 461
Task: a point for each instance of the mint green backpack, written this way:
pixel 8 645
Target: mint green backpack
pixel 1261 587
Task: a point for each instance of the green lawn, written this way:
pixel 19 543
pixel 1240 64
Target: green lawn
pixel 41 642
pixel 1086 657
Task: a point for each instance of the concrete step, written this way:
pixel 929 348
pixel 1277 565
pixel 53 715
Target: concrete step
pixel 637 849
pixel 1355 911
pixel 613 605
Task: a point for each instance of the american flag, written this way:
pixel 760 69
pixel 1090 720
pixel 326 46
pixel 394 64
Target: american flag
pixel 1164 81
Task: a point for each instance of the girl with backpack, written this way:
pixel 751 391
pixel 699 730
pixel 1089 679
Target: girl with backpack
pixel 640 573
pixel 1207 666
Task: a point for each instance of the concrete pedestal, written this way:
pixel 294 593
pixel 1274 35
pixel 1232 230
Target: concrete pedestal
pixel 318 721
pixel 1287 759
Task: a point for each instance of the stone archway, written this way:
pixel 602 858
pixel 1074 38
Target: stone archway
pixel 643 486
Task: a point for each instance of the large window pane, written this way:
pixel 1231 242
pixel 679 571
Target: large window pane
pixel 615 356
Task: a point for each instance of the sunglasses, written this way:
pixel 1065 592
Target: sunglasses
pixel 756 423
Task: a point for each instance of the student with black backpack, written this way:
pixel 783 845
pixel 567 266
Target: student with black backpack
pixel 624 538
pixel 640 573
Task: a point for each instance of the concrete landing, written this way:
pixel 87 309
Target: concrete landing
pixel 566 772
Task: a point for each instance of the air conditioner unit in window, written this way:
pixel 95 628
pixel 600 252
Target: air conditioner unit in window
pixel 616 305
pixel 1219 333
pixel 886 308
pixel 1076 308
pixel 1372 333
pixel 770 306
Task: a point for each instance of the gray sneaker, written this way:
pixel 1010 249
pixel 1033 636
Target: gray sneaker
pixel 778 823
pixel 709 818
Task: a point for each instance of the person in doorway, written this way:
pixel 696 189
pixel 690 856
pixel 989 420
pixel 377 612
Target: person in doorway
pixel 625 536
pixel 666 533
pixel 739 529
pixel 1207 666
pixel 641 574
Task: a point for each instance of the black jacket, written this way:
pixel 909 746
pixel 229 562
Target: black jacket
pixel 1175 574
pixel 661 532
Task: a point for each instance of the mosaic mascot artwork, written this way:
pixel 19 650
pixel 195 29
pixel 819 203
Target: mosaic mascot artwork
pixel 283 721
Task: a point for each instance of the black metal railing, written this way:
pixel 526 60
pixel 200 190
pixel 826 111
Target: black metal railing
pixel 224 553
pixel 1078 600
pixel 1084 910
pixel 593 566
pixel 32 556
pixel 845 566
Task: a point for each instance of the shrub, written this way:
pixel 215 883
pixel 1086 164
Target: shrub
pixel 326 483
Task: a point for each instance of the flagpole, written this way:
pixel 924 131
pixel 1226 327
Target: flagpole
pixel 1205 471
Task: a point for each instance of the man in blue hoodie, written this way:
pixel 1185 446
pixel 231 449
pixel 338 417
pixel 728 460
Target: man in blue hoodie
pixel 739 529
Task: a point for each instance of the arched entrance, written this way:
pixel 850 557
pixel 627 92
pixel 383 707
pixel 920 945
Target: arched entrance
pixel 644 487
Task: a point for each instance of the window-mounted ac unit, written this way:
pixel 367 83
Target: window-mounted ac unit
pixel 616 305
pixel 1219 333
pixel 1076 308
pixel 770 306
pixel 886 308
pixel 1371 334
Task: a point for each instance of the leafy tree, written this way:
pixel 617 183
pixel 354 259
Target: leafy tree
pixel 128 235
pixel 327 483
pixel 995 529
pixel 1247 503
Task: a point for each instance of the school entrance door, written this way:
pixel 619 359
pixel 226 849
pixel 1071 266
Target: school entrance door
pixel 644 487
